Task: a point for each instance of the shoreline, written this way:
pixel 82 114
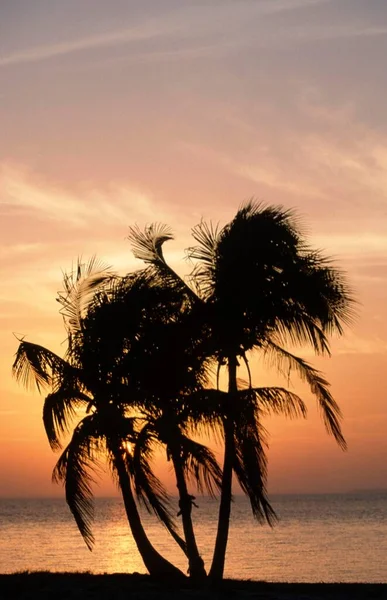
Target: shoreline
pixel 44 585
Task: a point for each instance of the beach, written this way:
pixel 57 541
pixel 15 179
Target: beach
pixel 69 586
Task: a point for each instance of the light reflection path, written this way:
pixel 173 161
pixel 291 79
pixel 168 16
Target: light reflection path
pixel 319 538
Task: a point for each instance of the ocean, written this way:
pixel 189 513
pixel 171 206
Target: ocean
pixel 328 538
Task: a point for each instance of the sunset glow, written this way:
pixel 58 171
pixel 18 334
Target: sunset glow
pixel 132 112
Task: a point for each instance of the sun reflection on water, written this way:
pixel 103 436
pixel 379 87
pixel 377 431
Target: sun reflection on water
pixel 319 538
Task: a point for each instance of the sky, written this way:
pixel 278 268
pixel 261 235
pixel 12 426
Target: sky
pixel 122 112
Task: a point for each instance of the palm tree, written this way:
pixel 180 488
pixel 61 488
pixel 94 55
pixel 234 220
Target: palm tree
pixel 88 379
pixel 286 292
pixel 121 330
pixel 144 356
pixel 168 335
pixel 256 285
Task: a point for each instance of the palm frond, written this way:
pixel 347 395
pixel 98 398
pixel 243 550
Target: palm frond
pixel 202 276
pixel 80 286
pixel 250 466
pixel 321 301
pixel 147 245
pixel 206 235
pixel 202 412
pixel 277 214
pixel 334 302
pixel 201 466
pixel 59 409
pixel 277 400
pixel 319 386
pixel 74 469
pixel 299 328
pixel 34 365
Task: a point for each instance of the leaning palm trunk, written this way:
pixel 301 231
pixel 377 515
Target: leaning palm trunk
pixel 196 564
pixel 157 565
pixel 219 557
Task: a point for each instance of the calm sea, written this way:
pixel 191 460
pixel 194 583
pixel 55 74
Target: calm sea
pixel 340 537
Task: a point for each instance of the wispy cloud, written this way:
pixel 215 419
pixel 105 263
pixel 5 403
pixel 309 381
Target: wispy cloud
pixel 282 181
pixel 182 53
pixel 112 38
pixel 188 21
pixel 20 189
pixel 17 250
pixel 340 31
pixel 279 6
pixel 357 344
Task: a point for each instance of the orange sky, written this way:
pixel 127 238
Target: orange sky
pixel 122 112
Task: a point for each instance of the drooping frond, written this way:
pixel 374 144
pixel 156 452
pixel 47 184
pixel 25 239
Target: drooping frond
pixel 277 400
pixel 319 386
pixel 322 302
pixel 299 328
pixel 35 365
pixel 59 409
pixel 74 469
pixel 148 487
pixel 250 465
pixel 201 466
pixel 334 303
pixel 202 412
pixel 80 286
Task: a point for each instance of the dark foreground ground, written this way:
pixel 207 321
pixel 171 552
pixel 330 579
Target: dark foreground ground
pixel 85 586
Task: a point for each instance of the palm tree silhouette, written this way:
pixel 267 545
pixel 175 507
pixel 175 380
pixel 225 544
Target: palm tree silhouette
pixel 122 335
pixel 162 402
pixel 90 378
pixel 256 285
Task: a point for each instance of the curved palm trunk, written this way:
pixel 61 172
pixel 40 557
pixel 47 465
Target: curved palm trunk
pixel 196 564
pixel 219 557
pixel 156 564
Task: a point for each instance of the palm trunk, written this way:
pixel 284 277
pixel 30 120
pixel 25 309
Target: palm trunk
pixel 196 564
pixel 219 557
pixel 156 564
